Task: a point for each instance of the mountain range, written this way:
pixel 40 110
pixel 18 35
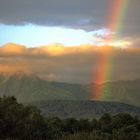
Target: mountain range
pixel 31 88
pixel 83 108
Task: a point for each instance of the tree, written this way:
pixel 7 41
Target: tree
pixel 105 123
pixel 127 133
pixel 21 122
pixel 70 125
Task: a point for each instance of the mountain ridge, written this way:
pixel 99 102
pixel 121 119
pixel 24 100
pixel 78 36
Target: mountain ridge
pixel 83 108
pixel 30 87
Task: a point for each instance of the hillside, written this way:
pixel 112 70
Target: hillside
pixel 83 109
pixel 30 88
pixel 123 91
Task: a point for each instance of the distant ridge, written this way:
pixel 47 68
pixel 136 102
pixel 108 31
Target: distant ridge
pixel 84 109
pixel 28 87
pixel 18 73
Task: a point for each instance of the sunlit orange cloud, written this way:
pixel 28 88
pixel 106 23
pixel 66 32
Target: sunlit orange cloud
pixel 51 50
pixel 12 49
pixel 68 64
pixel 61 50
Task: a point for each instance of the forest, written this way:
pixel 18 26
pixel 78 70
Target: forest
pixel 26 122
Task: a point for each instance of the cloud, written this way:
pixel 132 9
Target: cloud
pixel 54 12
pixel 12 49
pixel 102 32
pixel 34 35
pixel 77 64
pixel 89 14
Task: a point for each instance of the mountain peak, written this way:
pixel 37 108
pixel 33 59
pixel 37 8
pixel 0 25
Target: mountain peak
pixel 18 74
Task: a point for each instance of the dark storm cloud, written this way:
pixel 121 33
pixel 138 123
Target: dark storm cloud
pixel 75 13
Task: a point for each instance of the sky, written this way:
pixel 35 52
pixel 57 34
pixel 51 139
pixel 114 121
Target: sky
pixel 33 22
pixel 62 40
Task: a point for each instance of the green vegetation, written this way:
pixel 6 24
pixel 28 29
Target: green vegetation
pixel 19 122
pixel 83 109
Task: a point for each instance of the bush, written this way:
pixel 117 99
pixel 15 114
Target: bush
pixel 19 122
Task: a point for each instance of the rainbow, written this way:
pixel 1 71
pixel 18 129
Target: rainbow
pixel 118 11
pixel 115 22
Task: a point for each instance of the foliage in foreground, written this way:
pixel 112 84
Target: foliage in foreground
pixel 19 122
